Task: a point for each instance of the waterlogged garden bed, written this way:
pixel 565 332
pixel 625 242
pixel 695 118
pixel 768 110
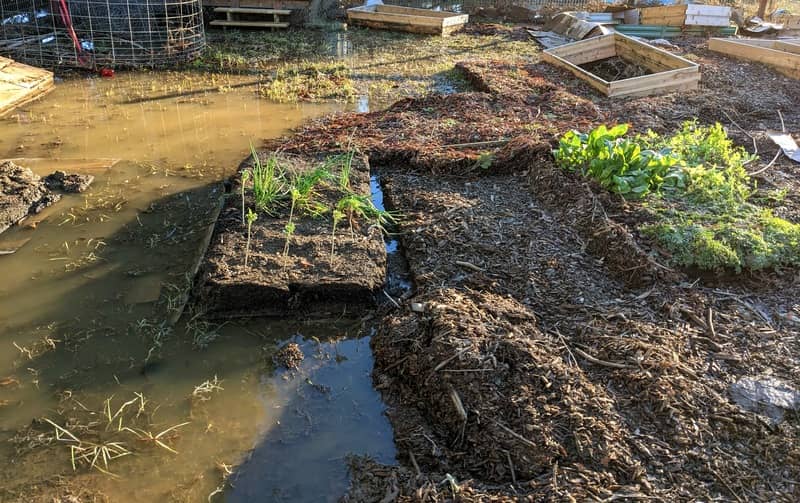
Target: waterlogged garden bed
pixel 298 235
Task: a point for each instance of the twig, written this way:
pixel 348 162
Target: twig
pixel 710 323
pixel 758 172
pixel 604 363
pixel 414 462
pixel 516 435
pixel 390 298
pixel 469 265
pixel 755 145
pixel 511 466
pixel 491 143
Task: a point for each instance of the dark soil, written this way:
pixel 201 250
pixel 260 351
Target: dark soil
pixel 309 280
pixel 615 68
pixel 68 183
pixel 21 193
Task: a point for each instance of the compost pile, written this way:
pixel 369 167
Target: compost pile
pixel 544 355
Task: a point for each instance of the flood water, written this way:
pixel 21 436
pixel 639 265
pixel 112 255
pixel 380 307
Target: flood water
pixel 153 412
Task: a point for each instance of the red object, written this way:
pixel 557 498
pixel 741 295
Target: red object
pixel 107 73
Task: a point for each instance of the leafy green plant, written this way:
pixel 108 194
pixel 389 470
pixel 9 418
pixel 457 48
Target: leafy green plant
pixel 355 207
pixel 251 217
pixel 618 164
pixel 301 192
pixel 269 186
pixel 706 219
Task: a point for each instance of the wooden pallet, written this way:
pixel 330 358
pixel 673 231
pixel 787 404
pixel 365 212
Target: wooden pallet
pixel 20 84
pixel 783 55
pixel 391 17
pixel 670 72
pixel 231 19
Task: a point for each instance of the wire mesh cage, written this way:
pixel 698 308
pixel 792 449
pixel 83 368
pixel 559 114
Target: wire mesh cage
pixel 95 33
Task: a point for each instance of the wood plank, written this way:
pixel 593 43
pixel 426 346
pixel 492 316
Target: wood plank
pixel 707 21
pixel 590 78
pixel 656 79
pixel 672 15
pixel 269 4
pixel 20 84
pixel 259 24
pixel 402 19
pixel 394 9
pixel 252 10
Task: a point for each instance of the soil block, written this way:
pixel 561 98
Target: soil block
pixel 308 281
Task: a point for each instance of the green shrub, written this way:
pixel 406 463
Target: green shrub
pixel 699 192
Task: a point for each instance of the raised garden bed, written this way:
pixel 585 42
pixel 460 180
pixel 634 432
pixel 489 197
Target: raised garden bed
pixel 668 72
pixel 783 55
pixel 391 17
pixel 307 278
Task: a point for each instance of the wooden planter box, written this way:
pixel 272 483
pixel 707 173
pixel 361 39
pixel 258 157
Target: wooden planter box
pixel 390 17
pixel 686 15
pixel 783 55
pixel 671 72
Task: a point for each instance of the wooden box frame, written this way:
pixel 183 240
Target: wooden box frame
pixel 392 17
pixel 671 72
pixel 783 55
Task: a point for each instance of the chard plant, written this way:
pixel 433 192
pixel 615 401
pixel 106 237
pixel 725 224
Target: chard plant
pixel 252 216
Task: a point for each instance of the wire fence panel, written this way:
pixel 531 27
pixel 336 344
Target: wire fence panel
pixel 97 33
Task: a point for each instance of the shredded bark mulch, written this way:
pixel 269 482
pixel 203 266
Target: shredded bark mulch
pixel 545 354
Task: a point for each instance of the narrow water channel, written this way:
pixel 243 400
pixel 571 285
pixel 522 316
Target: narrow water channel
pixel 195 411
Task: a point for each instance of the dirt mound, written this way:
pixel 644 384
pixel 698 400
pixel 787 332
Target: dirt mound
pixel 21 193
pixel 452 134
pixel 524 364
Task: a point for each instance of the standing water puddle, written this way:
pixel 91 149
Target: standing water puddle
pixel 84 303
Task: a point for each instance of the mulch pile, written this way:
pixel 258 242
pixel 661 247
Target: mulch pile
pixel 24 193
pixel 545 355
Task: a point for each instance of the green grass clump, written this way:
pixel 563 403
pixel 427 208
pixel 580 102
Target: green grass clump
pixel 313 82
pixel 269 183
pixel 697 189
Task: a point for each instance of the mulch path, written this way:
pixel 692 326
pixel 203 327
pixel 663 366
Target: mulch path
pixel 544 355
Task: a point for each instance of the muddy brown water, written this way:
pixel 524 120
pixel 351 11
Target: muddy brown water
pixel 84 304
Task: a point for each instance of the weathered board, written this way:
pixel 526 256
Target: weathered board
pixel 391 17
pixel 686 15
pixel 783 55
pixel 670 72
pixel 671 15
pixel 20 84
pixel 264 4
pixel 707 15
pixel 270 18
